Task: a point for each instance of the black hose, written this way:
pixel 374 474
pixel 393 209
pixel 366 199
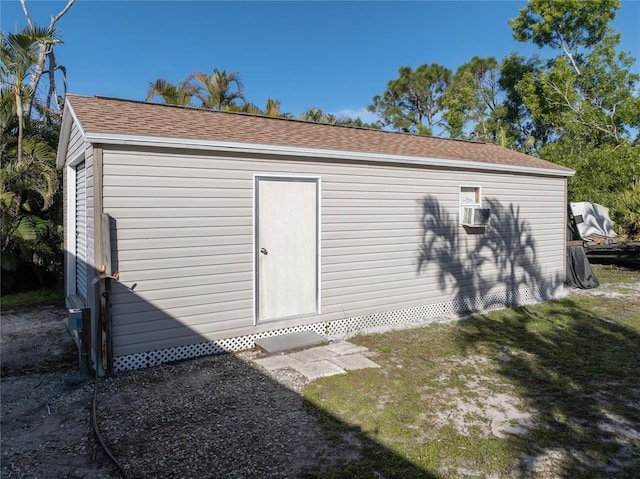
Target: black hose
pixel 97 432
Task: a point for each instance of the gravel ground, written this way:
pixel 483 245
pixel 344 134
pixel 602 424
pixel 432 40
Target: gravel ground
pixel 214 414
pixel 212 417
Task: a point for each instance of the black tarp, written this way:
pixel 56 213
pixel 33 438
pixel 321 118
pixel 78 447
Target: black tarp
pixel 579 272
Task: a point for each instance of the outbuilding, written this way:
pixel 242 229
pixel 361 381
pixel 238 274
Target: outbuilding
pixel 191 232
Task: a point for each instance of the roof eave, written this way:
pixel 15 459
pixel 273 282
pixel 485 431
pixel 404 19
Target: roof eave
pixel 261 148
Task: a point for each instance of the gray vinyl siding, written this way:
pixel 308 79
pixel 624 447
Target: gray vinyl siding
pixel 183 241
pixel 65 223
pixel 91 214
pixel 77 143
pixel 81 232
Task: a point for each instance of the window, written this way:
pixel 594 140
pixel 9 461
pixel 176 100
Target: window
pixel 469 196
pixel 471 213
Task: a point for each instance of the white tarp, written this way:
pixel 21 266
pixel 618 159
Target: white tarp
pixel 592 220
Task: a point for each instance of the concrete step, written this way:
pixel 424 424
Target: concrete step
pixel 291 342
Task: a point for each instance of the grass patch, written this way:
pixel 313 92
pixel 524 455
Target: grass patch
pixel 551 386
pixel 32 298
pixel 611 273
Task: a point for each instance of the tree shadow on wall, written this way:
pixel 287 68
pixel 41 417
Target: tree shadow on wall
pixel 494 263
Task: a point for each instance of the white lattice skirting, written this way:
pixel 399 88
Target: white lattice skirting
pixel 344 328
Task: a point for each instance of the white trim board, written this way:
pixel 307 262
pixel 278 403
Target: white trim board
pixel 259 148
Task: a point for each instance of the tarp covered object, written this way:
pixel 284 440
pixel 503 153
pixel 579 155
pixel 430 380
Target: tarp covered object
pixel 579 272
pixel 592 220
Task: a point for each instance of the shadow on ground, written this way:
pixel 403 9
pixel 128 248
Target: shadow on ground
pixel 222 417
pixel 578 371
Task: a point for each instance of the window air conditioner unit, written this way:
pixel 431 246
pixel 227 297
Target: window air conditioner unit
pixel 475 217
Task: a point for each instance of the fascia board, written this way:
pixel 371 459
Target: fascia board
pixel 257 148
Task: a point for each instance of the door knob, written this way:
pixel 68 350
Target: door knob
pixel 264 251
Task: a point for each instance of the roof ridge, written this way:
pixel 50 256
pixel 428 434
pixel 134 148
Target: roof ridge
pixel 294 120
pixel 117 116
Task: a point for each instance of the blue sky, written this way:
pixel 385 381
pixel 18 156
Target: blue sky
pixel 333 55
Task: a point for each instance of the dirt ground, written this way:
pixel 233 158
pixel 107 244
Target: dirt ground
pixel 212 417
pixel 45 423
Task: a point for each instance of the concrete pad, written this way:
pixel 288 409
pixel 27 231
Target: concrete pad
pixel 278 362
pixel 290 342
pixel 345 347
pixel 353 361
pixel 319 369
pixel 312 354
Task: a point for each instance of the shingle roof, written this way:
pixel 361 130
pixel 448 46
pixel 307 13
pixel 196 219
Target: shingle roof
pixel 117 116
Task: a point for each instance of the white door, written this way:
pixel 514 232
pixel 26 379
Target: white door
pixel 286 247
pixel 81 232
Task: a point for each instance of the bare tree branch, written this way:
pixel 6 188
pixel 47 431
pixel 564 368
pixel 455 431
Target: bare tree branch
pixel 607 126
pixel 59 15
pixel 44 52
pixel 26 12
pixel 52 80
pixel 573 62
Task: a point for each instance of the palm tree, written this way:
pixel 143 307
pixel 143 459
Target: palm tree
pixel 272 109
pixel 170 94
pixel 46 42
pixel 30 215
pixel 30 197
pixel 18 57
pixel 216 91
pixel 26 186
pixel 316 115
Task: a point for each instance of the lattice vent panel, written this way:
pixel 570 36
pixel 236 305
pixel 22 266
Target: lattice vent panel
pixel 346 327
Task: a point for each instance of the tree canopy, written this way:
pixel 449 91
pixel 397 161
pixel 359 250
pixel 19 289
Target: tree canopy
pixel 413 101
pixel 582 105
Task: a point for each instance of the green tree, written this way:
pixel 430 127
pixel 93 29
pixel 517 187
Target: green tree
pixel 523 132
pixel 471 101
pixel 568 25
pixel 597 106
pixel 27 185
pixel 587 91
pixel 18 56
pixel 413 101
pixel 630 210
pixel 316 115
pixel 219 90
pixel 45 63
pixel 30 196
pixel 582 103
pixel 180 94
pixel 272 109
pixel 30 210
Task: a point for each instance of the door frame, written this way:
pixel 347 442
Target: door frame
pixel 255 217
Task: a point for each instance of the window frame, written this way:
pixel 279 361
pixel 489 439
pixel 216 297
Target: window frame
pixel 477 190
